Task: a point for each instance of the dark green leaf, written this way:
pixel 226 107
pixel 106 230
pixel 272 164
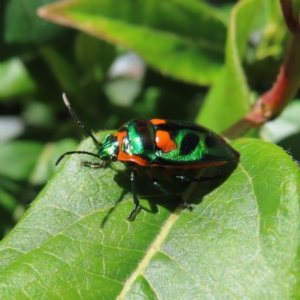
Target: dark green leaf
pixel 94 55
pixel 7 200
pixel 63 70
pixel 23 25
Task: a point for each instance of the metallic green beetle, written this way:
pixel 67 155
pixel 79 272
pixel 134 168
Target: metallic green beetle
pixel 159 143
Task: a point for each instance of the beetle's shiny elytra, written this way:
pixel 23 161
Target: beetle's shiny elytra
pixel 159 143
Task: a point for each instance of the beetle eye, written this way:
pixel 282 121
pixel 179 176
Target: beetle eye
pixel 113 157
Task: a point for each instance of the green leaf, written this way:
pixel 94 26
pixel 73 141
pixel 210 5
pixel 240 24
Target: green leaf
pixel 22 25
pixel 240 241
pixel 7 201
pixel 274 31
pixel 170 36
pixel 18 158
pixel 94 55
pixel 229 98
pixel 15 80
pixel 285 130
pixel 63 70
pixel 286 124
pixel 45 162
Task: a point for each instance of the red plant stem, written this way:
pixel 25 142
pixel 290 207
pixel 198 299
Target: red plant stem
pixel 291 17
pixel 270 104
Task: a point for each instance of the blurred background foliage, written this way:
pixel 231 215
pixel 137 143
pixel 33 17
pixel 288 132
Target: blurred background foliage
pixel 108 84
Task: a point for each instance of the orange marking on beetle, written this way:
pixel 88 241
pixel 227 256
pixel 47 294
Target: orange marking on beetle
pixel 120 136
pixel 164 141
pixel 134 158
pixel 158 121
pixel 122 156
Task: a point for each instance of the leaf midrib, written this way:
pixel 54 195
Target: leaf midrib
pixel 152 250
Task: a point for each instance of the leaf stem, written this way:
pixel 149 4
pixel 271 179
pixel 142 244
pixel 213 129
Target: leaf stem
pixel 270 104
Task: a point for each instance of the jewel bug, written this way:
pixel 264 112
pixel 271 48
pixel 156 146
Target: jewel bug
pixel 158 143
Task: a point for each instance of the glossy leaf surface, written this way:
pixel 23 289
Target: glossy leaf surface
pixel 171 37
pixel 240 241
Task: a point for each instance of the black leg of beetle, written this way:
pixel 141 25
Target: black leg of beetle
pixel 168 193
pixel 75 152
pixel 136 201
pixel 92 165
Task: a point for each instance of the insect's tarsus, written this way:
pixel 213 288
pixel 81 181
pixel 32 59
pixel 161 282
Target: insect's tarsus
pixel 75 152
pixel 74 116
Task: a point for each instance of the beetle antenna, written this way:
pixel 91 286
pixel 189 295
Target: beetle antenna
pixel 75 152
pixel 74 116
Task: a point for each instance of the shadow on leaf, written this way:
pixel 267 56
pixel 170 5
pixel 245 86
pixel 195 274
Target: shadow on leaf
pixel 192 192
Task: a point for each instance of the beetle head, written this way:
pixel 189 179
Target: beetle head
pixel 109 150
